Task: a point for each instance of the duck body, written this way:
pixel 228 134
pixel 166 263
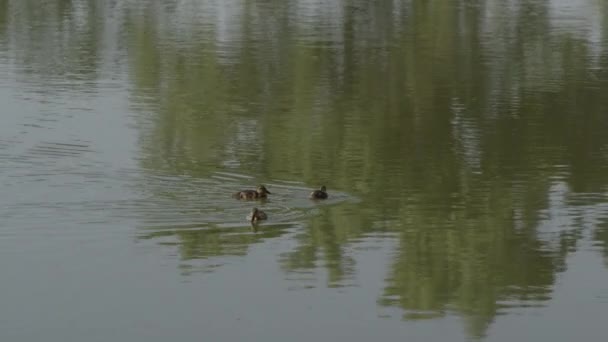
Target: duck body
pixel 260 192
pixel 319 194
pixel 256 215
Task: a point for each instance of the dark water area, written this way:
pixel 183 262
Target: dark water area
pixel 463 145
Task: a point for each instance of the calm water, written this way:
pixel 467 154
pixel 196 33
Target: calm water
pixel 463 144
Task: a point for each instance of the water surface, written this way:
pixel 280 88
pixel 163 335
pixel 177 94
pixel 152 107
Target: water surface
pixel 463 144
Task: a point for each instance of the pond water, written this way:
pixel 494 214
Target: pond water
pixel 463 145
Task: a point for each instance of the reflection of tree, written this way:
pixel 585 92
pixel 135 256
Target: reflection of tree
pixel 322 244
pixel 472 260
pixel 3 18
pixel 601 236
pixel 208 242
pixel 53 40
pixel 453 137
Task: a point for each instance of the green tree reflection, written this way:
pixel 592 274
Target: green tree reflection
pixel 453 138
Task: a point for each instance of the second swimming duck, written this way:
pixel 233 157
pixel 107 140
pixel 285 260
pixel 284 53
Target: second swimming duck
pixel 319 194
pixel 256 215
pixel 260 192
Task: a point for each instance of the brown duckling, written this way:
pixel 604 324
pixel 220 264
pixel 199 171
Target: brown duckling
pixel 256 215
pixel 260 192
pixel 319 194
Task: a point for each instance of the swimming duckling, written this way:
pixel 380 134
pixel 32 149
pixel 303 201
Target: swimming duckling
pixel 256 215
pixel 260 192
pixel 319 194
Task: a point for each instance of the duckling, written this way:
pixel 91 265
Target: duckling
pixel 256 215
pixel 319 194
pixel 260 192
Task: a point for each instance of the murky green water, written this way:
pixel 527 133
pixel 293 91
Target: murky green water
pixel 463 144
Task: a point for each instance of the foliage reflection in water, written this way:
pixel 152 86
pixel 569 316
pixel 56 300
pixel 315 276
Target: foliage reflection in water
pixel 459 146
